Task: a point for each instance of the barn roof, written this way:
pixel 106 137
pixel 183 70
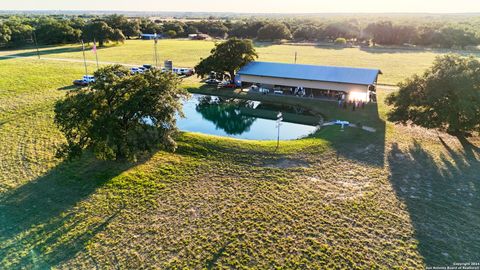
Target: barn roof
pixel 363 76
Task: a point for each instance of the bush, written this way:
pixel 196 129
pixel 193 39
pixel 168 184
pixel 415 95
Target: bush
pixel 171 33
pixel 340 41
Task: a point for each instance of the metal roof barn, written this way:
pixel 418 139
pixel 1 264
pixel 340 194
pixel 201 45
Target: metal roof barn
pixel 359 76
pixel 317 81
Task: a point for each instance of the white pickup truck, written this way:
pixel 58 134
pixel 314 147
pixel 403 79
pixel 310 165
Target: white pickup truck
pixel 86 80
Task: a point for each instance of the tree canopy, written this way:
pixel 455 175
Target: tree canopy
pixel 98 30
pixel 274 31
pixel 445 97
pixel 121 115
pixel 5 33
pixel 247 29
pixel 227 58
pixel 20 32
pixel 149 27
pixel 308 32
pixel 450 32
pixel 129 28
pixel 52 31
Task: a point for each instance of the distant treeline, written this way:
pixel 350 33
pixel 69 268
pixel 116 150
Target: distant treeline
pixel 20 30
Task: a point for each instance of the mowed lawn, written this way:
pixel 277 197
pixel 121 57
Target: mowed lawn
pixel 395 64
pixel 399 198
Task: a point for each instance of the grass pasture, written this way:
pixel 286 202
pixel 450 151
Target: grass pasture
pixel 396 64
pixel 401 198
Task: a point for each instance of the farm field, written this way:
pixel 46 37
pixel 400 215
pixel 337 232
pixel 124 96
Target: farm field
pixel 399 198
pixel 395 64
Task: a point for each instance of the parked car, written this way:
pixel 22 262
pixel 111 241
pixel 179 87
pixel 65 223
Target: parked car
pixel 263 90
pixel 146 66
pixel 80 83
pixel 259 89
pixel 86 80
pixel 278 92
pixel 212 81
pixel 176 71
pixel 186 71
pixel 136 70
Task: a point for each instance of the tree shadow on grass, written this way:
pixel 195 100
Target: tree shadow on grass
pixel 38 227
pixel 443 197
pixel 265 44
pixel 416 50
pixel 48 50
pixel 44 52
pixel 69 87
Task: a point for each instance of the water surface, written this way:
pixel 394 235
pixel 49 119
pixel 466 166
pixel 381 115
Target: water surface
pixel 244 119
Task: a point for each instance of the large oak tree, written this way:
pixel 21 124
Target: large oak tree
pixel 121 116
pixel 445 97
pixel 227 58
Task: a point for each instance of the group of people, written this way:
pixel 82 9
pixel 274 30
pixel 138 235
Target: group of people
pixel 299 91
pixel 354 104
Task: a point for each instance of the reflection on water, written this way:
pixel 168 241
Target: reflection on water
pixel 226 114
pixel 243 119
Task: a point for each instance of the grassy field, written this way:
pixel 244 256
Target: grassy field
pixel 400 198
pixel 395 64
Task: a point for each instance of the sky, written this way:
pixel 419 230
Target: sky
pixel 254 6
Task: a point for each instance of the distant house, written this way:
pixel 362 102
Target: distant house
pixel 314 81
pixel 150 36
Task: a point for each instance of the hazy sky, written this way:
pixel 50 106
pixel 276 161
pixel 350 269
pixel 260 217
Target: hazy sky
pixel 261 6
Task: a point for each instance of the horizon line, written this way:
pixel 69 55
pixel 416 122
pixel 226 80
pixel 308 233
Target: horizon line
pixel 243 13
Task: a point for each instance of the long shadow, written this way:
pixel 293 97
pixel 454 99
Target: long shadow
pixel 44 52
pixel 377 50
pixel 69 87
pixel 265 44
pixel 442 195
pixel 37 227
pixel 48 51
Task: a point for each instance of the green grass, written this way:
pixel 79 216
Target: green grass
pixel 395 64
pixel 395 199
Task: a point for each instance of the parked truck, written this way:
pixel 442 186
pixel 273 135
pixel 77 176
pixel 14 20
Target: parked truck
pixel 86 80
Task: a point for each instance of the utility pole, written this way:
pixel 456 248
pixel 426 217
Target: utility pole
pixel 95 51
pixel 279 123
pixel 84 59
pixel 36 44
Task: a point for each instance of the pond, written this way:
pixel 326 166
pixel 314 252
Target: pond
pixel 244 119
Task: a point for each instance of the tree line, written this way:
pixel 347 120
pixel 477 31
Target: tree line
pixel 20 30
pixel 17 31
